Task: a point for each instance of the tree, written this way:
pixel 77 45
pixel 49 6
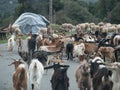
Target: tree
pixel 114 15
pixel 57 6
pixel 50 10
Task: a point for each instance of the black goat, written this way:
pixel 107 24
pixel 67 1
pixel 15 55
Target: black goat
pixel 95 66
pixel 100 75
pixel 101 80
pixel 77 37
pixel 40 55
pixel 103 41
pixel 69 51
pixel 32 44
pixel 59 80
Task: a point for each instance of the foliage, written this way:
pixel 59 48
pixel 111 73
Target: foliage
pixel 68 11
pixel 57 5
pixel 114 15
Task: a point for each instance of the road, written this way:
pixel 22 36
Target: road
pixel 7 71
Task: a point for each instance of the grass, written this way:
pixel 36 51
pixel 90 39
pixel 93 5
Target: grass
pixel 3 41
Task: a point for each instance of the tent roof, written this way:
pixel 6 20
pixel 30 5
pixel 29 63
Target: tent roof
pixel 30 22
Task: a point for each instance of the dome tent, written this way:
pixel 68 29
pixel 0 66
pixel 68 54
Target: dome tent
pixel 30 22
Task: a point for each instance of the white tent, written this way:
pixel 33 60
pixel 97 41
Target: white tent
pixel 30 22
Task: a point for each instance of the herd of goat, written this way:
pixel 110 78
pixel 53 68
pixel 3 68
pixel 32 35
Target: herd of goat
pixel 90 46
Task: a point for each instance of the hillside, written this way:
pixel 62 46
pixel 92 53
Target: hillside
pixel 7 6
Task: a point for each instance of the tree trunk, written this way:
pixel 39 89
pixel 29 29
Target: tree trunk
pixel 50 10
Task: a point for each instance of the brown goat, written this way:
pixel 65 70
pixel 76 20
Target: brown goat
pixel 90 48
pixel 108 52
pixel 19 76
pixel 19 42
pixel 83 76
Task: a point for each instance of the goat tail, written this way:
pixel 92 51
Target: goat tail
pixel 22 74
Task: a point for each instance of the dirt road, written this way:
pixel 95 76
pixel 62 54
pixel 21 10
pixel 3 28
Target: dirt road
pixel 7 71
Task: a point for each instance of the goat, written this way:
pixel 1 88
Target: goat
pixel 32 44
pixel 59 80
pixel 108 52
pixel 59 46
pixel 100 75
pixel 36 71
pixel 19 76
pixel 69 51
pixel 116 50
pixel 90 49
pixel 101 79
pixel 83 76
pixel 95 64
pixel 41 55
pixel 11 43
pixel 19 42
pixel 116 40
pixel 103 42
pixel 115 78
pixel 39 41
pixel 78 49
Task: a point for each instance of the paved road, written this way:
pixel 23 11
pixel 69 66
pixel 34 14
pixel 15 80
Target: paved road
pixel 6 71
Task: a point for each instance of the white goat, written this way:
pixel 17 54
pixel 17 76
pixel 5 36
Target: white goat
pixel 11 42
pixel 78 49
pixel 115 78
pixel 36 71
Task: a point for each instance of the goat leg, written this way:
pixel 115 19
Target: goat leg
pixel 32 86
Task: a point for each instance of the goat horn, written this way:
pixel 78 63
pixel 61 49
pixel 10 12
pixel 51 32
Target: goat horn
pixel 13 59
pixel 11 64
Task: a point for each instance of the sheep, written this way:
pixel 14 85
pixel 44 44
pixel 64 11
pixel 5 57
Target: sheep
pixel 36 71
pixel 11 42
pixel 20 75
